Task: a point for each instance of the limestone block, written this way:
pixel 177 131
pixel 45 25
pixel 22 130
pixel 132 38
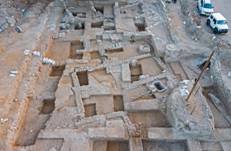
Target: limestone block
pixel 143 105
pixel 126 73
pixel 107 133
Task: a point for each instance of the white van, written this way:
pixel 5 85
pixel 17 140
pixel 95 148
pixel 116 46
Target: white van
pixel 205 7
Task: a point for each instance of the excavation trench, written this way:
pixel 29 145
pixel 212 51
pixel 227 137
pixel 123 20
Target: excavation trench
pixel 40 110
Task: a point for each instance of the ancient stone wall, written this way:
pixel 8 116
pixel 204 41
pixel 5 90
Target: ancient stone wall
pixel 221 87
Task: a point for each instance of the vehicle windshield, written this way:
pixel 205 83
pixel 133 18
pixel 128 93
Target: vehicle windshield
pixel 221 22
pixel 208 5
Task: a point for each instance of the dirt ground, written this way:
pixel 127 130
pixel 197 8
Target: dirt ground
pixel 111 75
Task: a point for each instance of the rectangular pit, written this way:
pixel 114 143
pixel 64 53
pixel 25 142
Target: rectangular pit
pixel 80 26
pixel 118 103
pixel 95 55
pixel 136 72
pixel 162 145
pixel 103 103
pixel 140 27
pixel 149 118
pixel 78 56
pixel 83 78
pixel 150 67
pixel 140 24
pixel 111 146
pixel 90 109
pixel 48 106
pixel 109 26
pixel 57 71
pixel 97 24
pixel 76 45
pixel 114 50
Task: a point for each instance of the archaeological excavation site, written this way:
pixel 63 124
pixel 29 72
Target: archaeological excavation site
pixel 112 75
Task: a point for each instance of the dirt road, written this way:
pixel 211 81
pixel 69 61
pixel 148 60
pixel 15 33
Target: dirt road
pixel 224 7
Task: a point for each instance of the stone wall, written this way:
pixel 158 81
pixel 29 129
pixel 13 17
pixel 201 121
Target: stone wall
pixel 221 87
pixel 196 123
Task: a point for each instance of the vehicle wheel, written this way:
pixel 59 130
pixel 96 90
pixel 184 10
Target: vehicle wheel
pixel 208 22
pixel 215 31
